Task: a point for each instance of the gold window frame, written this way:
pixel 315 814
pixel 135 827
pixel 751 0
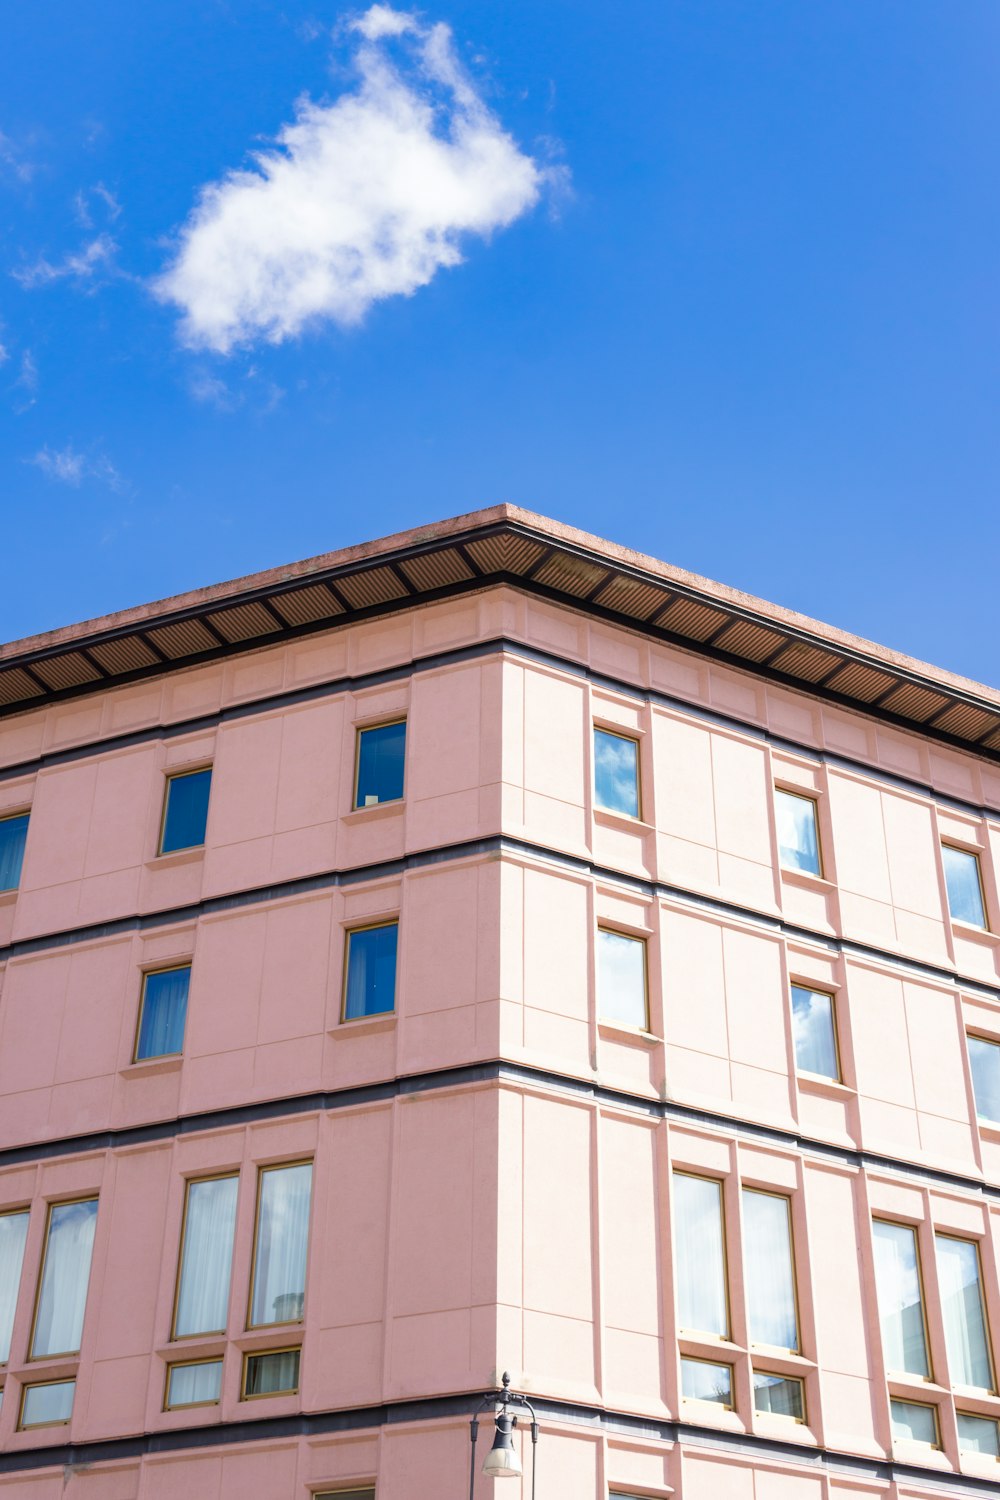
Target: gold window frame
pixel 703 1333
pixel 158 969
pixel 56 1353
pixel 263 1354
pixel 190 1182
pixel 278 1166
pixel 348 934
pixel 359 730
pixel 169 778
pixel 633 739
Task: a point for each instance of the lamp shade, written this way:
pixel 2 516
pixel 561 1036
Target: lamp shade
pixel 502 1460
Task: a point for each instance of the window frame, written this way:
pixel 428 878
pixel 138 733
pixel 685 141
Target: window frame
pixel 795 984
pixel 907 1376
pixel 184 1364
pixel 359 730
pixel 992 1041
pixel 786 1198
pixel 976 855
pixel 812 797
pixel 207 1333
pixel 277 1166
pixel 717 1364
pixel 378 1015
pixel 643 940
pixel 34 1385
pixel 779 1416
pixel 703 1335
pixel 13 1213
pixel 10 817
pixel 171 968
pixel 938 1445
pixel 633 739
pixel 50 1206
pixel 169 778
pixel 964 1239
pixel 250 1354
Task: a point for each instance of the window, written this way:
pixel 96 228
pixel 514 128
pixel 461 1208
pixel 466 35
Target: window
pixel 963 878
pixel 202 1301
pixel 700 1257
pixel 621 979
pixel 962 1310
pixel 370 981
pixel 900 1300
pixel 185 810
pixel 198 1383
pixel 815 1033
pixel 778 1395
pixel 914 1422
pixel 162 1010
pixel 49 1404
pixel 616 773
pixel 368 1494
pixel 13 833
pixel 278 1286
pixel 798 832
pixel 13 1233
pixel 381 755
pixel 984 1059
pixel 770 1277
pixel 978 1435
pixel 62 1298
pixel 703 1381
pixel 273 1374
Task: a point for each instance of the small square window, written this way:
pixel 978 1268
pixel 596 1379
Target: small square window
pixel 13 833
pixel 798 832
pixel 815 1033
pixel 778 1396
pixel 914 1423
pixel 370 980
pixel 964 881
pixel 273 1374
pixel 978 1435
pixel 185 810
pixel 162 1010
pixel 703 1381
pixel 621 979
pixel 984 1059
pixel 381 757
pixel 196 1384
pixel 49 1404
pixel 616 773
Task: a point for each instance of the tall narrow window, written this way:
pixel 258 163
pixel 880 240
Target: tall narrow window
pixel 798 832
pixel 984 1058
pixel 162 1011
pixel 13 833
pixel 13 1233
pixel 900 1298
pixel 965 886
pixel 279 1263
pixel 770 1276
pixel 381 760
pixel 206 1256
pixel 814 1030
pixel 185 810
pixel 370 981
pixel 616 772
pixel 621 979
pixel 963 1312
pixel 699 1255
pixel 69 1245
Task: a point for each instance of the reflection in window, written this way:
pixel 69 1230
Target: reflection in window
pixel 13 833
pixel 978 1435
pixel 185 815
pixel 963 1312
pixel 279 1267
pixel 900 1301
pixel 381 756
pixel 162 1013
pixel 206 1256
pixel 13 1233
pixel 914 1422
pixel 700 1263
pixel 814 1032
pixel 965 888
pixel 195 1384
pixel 798 836
pixel 69 1244
pixel 703 1381
pixel 621 979
pixel 770 1279
pixel 274 1374
pixel 616 773
pixel 984 1059
pixel 779 1395
pixel 47 1405
pixel 370 987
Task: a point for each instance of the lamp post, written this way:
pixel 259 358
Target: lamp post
pixel 502 1461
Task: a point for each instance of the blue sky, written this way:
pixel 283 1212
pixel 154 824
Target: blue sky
pixel 717 279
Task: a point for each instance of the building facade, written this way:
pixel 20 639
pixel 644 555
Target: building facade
pixel 491 949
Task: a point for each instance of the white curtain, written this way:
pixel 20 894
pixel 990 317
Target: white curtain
pixel 699 1258
pixel 52 1402
pixel 770 1278
pixel 207 1256
pixel 13 1233
pixel 621 979
pixel 195 1385
pixel 900 1306
pixel 282 1242
pixel 63 1298
pixel 962 1310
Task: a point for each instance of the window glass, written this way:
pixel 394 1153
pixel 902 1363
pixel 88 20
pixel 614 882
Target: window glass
pixel 164 1007
pixel 368 1494
pixel 770 1279
pixel 965 891
pixel 69 1245
pixel 621 979
pixel 814 1032
pixel 703 1381
pixel 978 1435
pixel 778 1394
pixel 13 1233
pixel 279 1271
pixel 47 1405
pixel 616 773
pixel 197 1384
pixel 984 1058
pixel 798 836
pixel 272 1374
pixel 914 1422
pixel 381 756
pixel 13 832
pixel 206 1256
pixel 900 1301
pixel 186 813
pixel 699 1255
pixel 963 1312
pixel 370 988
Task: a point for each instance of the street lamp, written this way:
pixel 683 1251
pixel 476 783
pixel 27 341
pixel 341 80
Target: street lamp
pixel 502 1461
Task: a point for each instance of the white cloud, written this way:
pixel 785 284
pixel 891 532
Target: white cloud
pixel 364 198
pixel 13 159
pixel 96 256
pixel 67 466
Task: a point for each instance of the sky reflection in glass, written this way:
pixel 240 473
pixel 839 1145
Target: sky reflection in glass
pixel 813 1029
pixel 965 891
pixel 621 979
pixel 798 838
pixel 984 1058
pixel 616 773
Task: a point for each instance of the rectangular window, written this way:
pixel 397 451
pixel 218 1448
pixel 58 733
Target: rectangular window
pixel 703 1381
pixel 699 1255
pixel 370 980
pixel 367 1494
pixel 616 773
pixel 778 1395
pixel 962 1310
pixel 984 1059
pixel 13 1233
pixel 815 1033
pixel 978 1435
pixel 900 1298
pixel 196 1384
pixel 282 1241
pixel 965 886
pixel 274 1374
pixel 798 832
pixel 13 833
pixel 621 979
pixel 62 1298
pixel 185 810
pixel 162 1010
pixel 770 1277
pixel 381 758
pixel 914 1422
pixel 206 1256
pixel 47 1405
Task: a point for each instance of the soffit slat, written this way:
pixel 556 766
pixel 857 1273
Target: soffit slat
pixel 68 671
pixel 372 586
pixel 689 617
pixel 436 570
pixel 630 596
pixel 306 606
pixel 504 553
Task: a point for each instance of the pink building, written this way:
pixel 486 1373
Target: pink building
pixel 485 949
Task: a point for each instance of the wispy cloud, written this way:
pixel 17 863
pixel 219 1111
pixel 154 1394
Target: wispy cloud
pixel 107 205
pixel 13 160
pixel 358 200
pixel 68 466
pixel 98 255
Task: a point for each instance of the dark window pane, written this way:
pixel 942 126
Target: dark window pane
pixel 380 764
pixel 777 1394
pixel 371 971
pixel 187 811
pixel 164 1006
pixel 616 773
pixel 273 1374
pixel 13 832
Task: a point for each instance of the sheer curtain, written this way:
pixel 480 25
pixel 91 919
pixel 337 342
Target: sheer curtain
pixel 279 1282
pixel 962 1310
pixel 901 1313
pixel 371 971
pixel 195 1385
pixel 770 1278
pixel 207 1256
pixel 270 1373
pixel 59 1321
pixel 699 1255
pixel 13 1233
pixel 164 1007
